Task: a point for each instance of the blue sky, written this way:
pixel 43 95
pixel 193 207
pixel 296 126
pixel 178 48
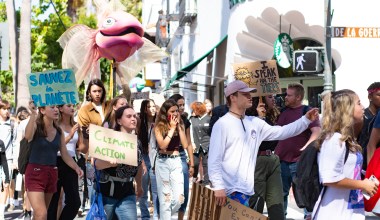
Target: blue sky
pixel 36 2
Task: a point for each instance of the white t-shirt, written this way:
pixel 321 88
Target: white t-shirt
pixel 99 108
pixel 233 151
pixel 338 203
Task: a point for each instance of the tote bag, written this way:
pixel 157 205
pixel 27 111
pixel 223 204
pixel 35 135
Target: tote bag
pixel 96 211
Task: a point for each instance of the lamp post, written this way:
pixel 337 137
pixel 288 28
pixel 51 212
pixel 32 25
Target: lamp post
pixel 328 85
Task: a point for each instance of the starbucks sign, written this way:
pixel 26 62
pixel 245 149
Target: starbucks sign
pixel 283 50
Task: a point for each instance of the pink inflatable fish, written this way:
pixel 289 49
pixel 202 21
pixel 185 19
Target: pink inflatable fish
pixel 119 37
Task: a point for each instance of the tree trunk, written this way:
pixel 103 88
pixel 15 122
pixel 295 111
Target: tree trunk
pixel 13 40
pixel 24 67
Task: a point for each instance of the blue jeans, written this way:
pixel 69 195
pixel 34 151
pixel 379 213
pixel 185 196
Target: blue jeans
pixel 169 185
pixel 185 170
pixel 124 209
pixel 288 173
pixel 153 187
pixel 144 206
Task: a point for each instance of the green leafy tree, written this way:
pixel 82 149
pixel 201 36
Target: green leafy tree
pixel 3 12
pixel 134 7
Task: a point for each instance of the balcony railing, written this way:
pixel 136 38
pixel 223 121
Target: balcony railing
pixel 187 11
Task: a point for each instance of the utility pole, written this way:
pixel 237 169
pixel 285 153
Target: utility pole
pixel 328 85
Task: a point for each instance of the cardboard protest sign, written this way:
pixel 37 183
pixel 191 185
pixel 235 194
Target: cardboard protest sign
pixel 56 87
pixel 202 204
pixel 110 145
pixel 203 207
pixel 139 95
pixel 235 210
pixel 262 75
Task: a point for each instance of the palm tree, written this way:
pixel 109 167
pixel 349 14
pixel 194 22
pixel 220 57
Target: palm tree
pixel 13 43
pixel 22 91
pixel 72 7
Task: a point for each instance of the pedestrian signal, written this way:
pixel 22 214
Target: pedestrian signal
pixel 306 61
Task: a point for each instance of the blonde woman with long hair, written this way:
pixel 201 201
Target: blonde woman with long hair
pixel 343 196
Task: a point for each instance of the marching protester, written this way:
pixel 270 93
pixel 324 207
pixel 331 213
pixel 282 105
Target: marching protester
pixel 289 150
pixel 235 142
pixel 45 138
pixel 6 152
pixel 199 133
pixel 170 134
pixel 209 106
pixel 116 180
pixel 342 196
pixel 186 170
pixel 23 117
pixel 268 184
pixel 369 123
pixel 116 103
pixel 66 175
pixel 93 112
pixel 147 118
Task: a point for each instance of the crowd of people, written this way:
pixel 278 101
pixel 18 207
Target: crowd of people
pixel 246 150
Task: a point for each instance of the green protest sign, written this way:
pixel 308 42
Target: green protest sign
pixel 113 146
pixel 55 87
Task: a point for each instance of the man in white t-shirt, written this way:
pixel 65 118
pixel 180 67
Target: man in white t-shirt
pixel 235 141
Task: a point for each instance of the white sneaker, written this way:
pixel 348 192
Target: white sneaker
pixel 16 202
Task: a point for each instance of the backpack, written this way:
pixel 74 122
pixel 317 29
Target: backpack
pixel 23 156
pixel 367 128
pixel 306 185
pixel 4 147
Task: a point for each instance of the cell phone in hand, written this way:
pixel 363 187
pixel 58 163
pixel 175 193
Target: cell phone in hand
pixel 169 118
pixel 373 179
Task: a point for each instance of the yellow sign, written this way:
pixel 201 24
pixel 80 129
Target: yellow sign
pixel 355 32
pixel 113 146
pixel 262 75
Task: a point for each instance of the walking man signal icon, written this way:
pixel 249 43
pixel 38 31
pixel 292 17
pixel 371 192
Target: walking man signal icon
pixel 306 61
pixel 299 61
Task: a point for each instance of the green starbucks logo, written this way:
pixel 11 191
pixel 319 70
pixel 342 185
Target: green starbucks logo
pixel 283 50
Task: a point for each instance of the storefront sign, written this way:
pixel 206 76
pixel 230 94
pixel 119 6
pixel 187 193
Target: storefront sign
pixel 56 87
pixel 283 50
pixel 112 146
pixel 262 75
pixel 355 32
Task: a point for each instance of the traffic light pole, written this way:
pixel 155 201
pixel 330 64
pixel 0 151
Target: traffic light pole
pixel 327 85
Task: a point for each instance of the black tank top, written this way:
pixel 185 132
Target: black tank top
pixel 43 151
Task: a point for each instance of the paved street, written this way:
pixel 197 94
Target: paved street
pixel 294 213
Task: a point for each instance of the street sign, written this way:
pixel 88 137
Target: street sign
pixel 355 32
pixel 306 61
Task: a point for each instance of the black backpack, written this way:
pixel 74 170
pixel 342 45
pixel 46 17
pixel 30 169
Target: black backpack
pixel 23 156
pixel 306 185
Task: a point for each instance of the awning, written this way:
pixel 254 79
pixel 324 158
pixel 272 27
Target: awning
pixel 182 72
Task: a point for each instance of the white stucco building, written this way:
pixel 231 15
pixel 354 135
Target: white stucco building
pixel 252 28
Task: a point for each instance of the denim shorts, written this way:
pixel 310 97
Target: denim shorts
pixel 41 178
